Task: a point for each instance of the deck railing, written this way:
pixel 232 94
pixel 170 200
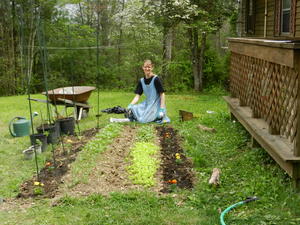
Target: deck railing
pixel 269 89
pixel 264 75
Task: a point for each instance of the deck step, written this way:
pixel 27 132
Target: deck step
pixel 280 149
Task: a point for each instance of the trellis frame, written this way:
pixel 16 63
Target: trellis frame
pixel 265 97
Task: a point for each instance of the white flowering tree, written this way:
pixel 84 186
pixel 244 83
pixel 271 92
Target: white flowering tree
pixel 199 16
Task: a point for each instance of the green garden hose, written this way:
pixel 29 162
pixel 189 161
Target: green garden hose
pixel 233 206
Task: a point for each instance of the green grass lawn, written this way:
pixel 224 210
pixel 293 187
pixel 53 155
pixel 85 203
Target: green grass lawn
pixel 244 172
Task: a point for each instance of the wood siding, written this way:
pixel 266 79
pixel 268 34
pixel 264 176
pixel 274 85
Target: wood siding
pixel 260 18
pixel 297 33
pixel 270 18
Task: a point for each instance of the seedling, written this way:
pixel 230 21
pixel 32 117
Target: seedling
pixel 173 184
pixel 178 161
pixel 178 158
pixel 38 191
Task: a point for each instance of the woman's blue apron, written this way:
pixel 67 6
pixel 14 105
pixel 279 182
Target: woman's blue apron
pixel 147 111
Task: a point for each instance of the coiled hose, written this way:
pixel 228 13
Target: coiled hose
pixel 250 199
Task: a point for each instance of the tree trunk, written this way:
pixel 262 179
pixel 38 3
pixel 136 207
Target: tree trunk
pixel 104 22
pixel 120 39
pixel 13 49
pixel 201 60
pixel 81 13
pixel 197 57
pixel 193 36
pixel 167 50
pixel 30 50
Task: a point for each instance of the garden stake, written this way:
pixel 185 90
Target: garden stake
pixel 97 61
pixel 44 59
pixel 249 199
pixel 42 120
pixel 41 38
pixel 42 48
pixel 73 91
pixel 28 77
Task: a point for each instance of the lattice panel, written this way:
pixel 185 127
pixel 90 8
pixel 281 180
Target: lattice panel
pixel 269 89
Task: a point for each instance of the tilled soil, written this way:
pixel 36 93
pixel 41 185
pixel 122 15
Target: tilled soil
pixel 110 172
pixel 51 175
pixel 176 172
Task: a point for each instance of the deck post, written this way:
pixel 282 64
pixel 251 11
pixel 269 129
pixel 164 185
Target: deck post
pixel 297 138
pixel 273 130
pixel 255 114
pixel 232 117
pixel 254 143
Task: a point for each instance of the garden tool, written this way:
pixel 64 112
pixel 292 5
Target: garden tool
pixel 20 127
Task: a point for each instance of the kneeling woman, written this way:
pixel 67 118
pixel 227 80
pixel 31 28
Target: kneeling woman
pixel 154 106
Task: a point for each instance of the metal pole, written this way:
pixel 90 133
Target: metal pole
pixel 97 63
pixel 28 90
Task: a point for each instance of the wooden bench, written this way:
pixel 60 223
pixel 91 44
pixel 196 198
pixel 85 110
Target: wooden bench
pixel 279 148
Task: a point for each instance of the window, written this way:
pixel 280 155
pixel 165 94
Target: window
pixel 250 16
pixel 285 16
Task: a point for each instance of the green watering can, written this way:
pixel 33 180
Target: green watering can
pixel 20 127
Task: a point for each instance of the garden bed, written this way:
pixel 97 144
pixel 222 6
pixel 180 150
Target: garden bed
pixel 177 168
pixel 110 173
pixel 50 176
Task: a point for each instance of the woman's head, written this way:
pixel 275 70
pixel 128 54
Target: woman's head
pixel 148 67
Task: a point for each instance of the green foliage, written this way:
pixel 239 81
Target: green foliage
pixel 38 191
pixel 143 163
pixel 244 172
pixel 216 90
pixel 180 79
pixel 215 68
pixel 143 157
pixel 145 134
pixel 233 22
pixel 129 34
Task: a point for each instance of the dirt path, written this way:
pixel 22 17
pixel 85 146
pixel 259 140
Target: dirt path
pixel 110 173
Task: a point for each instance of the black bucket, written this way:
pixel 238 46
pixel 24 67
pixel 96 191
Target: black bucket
pixel 53 131
pixel 42 138
pixel 67 125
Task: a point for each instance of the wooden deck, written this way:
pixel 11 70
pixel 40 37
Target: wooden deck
pixel 279 148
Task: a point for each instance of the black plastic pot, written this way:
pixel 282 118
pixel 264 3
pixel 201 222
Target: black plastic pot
pixel 51 130
pixel 67 125
pixel 42 138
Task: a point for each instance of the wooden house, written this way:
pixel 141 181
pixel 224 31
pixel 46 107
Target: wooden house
pixel 264 78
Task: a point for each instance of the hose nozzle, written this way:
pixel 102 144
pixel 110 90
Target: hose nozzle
pixel 250 199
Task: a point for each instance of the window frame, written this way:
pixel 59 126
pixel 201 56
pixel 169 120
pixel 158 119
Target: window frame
pixel 281 17
pixel 250 18
pixel 278 29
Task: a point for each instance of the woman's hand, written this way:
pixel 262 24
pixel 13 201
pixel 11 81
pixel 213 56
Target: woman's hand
pixel 161 113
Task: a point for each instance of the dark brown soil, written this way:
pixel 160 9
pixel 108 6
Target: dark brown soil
pixel 176 173
pixel 50 176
